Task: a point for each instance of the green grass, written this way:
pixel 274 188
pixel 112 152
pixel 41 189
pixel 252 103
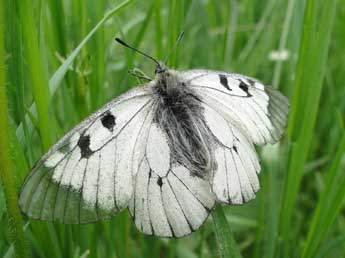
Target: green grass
pixel 61 63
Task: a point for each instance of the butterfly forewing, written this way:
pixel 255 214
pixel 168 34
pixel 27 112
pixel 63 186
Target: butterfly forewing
pixel 78 180
pixel 244 102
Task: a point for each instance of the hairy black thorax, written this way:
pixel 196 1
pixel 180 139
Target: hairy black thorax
pixel 179 113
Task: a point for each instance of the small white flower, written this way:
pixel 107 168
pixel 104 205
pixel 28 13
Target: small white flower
pixel 279 55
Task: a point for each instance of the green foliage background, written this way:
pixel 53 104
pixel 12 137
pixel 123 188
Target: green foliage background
pixel 59 63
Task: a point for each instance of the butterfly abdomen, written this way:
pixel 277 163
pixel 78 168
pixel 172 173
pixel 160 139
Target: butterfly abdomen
pixel 179 113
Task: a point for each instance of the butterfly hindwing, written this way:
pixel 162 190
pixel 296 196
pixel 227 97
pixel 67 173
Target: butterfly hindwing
pixel 87 175
pixel 234 177
pixel 168 200
pixel 239 111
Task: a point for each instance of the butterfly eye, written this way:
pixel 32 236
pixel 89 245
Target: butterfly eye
pixel 183 84
pixel 159 69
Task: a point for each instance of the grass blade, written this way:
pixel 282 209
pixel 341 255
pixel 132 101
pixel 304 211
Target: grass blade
pixel 37 73
pixel 6 163
pixel 58 76
pixel 327 209
pixel 227 246
pixel 282 43
pixel 312 64
pixel 331 245
pixel 258 31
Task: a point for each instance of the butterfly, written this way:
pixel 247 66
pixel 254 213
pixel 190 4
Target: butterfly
pixel 168 150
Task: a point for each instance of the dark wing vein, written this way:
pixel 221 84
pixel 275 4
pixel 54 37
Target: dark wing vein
pixel 238 176
pixel 114 176
pixel 196 197
pixel 179 204
pixel 81 191
pixel 226 174
pixel 140 131
pixel 99 170
pixel 59 187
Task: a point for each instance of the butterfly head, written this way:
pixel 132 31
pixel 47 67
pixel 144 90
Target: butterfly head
pixel 160 68
pixel 166 78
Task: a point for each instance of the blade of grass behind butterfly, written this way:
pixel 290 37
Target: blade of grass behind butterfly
pixel 174 27
pixel 334 210
pixel 21 164
pixel 122 234
pixel 57 38
pixel 131 55
pixel 44 239
pixel 312 64
pixel 6 159
pixel 261 25
pixel 230 35
pixel 216 17
pixel 292 46
pixel 282 43
pixel 110 228
pixel 159 37
pixel 273 167
pixel 97 50
pixel 181 11
pixel 16 74
pixel 227 246
pixel 68 241
pixel 170 28
pixel 252 59
pixel 82 64
pixel 59 74
pixel 58 19
pixel 37 73
pixel 17 85
pixel 264 210
pixel 328 204
pixel 212 15
pixel 330 246
pixel 82 236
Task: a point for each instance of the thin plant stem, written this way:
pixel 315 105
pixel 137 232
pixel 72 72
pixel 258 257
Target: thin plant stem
pixel 227 246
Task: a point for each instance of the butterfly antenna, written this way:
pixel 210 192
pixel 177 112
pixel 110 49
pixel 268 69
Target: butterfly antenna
pixel 136 50
pixel 175 46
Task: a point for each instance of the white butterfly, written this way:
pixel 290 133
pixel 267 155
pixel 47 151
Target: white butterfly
pixel 168 150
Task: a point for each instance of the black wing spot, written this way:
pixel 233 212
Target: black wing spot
pixel 84 145
pixel 235 149
pixel 224 81
pixel 243 86
pixel 108 121
pixel 160 182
